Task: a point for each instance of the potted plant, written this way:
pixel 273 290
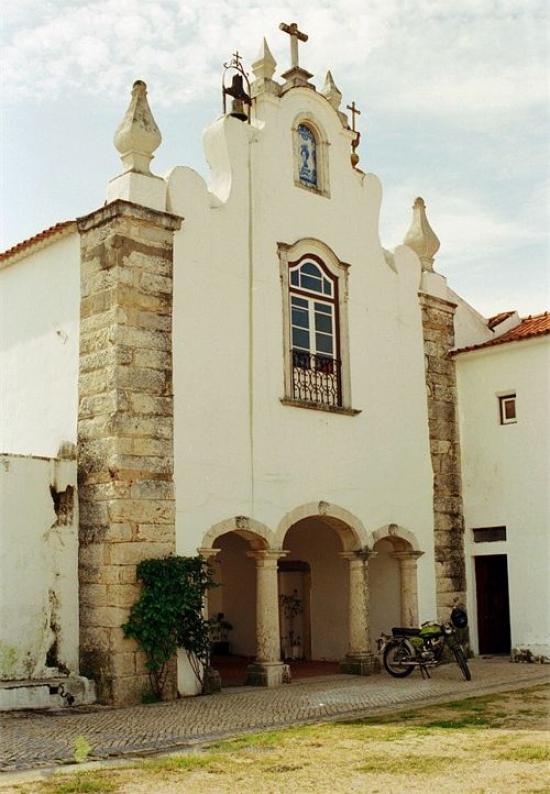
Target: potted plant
pixel 292 607
pixel 219 635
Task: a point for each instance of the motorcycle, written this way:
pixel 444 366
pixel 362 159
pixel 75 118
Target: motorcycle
pixel 407 648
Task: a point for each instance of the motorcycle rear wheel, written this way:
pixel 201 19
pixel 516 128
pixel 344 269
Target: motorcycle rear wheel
pixel 395 654
pixel 462 663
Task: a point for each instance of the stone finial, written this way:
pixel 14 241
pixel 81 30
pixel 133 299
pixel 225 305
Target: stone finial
pixel 421 237
pixel 264 65
pixel 331 91
pixel 137 135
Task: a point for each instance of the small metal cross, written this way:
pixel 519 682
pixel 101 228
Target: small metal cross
pixel 295 35
pixel 354 112
pixel 237 58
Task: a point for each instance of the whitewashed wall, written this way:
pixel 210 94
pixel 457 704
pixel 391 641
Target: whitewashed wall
pixel 39 312
pixel 238 450
pixel 506 476
pixel 38 568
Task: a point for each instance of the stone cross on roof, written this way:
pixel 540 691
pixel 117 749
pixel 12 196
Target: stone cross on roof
pixel 295 35
pixel 295 76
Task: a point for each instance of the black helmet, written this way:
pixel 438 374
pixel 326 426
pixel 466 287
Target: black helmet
pixel 459 618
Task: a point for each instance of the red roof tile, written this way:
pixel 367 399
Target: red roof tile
pixel 534 325
pixel 37 238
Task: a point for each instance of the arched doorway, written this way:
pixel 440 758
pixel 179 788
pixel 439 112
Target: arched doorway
pixel 323 575
pixel 316 576
pixel 393 581
pixel 233 549
pixel 232 608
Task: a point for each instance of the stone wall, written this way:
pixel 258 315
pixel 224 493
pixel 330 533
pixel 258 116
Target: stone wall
pixel 438 330
pixel 125 431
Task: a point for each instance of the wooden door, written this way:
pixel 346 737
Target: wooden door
pixel 493 607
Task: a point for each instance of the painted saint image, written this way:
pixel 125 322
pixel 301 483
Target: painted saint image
pixel 308 163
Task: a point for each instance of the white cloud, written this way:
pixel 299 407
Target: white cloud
pixel 438 58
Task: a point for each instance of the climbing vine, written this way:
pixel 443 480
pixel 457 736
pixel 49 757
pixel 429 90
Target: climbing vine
pixel 169 615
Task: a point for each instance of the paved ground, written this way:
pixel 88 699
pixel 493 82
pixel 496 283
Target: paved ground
pixel 29 740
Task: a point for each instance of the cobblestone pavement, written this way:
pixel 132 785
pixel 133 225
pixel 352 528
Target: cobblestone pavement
pixel 35 739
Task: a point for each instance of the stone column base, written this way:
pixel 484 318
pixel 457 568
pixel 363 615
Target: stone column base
pixel 268 674
pixel 360 664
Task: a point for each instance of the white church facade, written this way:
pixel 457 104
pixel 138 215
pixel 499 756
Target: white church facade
pixel 240 368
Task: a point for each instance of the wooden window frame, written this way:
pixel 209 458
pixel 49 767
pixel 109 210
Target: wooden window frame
pixel 503 400
pixel 338 272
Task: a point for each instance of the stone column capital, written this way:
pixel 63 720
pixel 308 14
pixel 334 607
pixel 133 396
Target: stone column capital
pixel 406 555
pixel 359 555
pixel 208 553
pixel 265 557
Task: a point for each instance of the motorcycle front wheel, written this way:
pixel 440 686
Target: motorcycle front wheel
pixel 462 663
pixel 396 656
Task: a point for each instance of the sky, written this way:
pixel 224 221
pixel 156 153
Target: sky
pixel 454 97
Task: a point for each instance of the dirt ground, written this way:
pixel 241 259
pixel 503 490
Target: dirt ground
pixel 486 745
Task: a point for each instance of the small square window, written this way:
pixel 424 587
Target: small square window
pixel 507 409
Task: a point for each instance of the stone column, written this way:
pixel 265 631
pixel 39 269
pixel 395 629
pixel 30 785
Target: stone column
pixel 438 330
pixel 359 660
pixel 409 586
pixel 268 669
pixel 125 432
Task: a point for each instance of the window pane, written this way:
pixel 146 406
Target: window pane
pixel 300 338
pixel 325 308
pixel 311 270
pixel 323 343
pixel 300 317
pixel 295 278
pixel 510 409
pixel 313 284
pixel 301 302
pixel 323 322
pixel 327 287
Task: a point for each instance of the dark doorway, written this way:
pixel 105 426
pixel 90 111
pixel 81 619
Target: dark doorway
pixel 493 608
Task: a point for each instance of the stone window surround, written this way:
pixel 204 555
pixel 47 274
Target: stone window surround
pixel 340 271
pixel 322 158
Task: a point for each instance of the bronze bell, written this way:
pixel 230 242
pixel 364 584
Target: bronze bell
pixel 240 98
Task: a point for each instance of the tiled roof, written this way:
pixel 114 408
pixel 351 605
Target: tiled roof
pixel 534 325
pixel 37 238
pixel 497 319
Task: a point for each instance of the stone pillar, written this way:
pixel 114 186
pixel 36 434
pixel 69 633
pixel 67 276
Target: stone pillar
pixel 359 660
pixel 268 669
pixel 438 330
pixel 125 432
pixel 207 554
pixel 409 586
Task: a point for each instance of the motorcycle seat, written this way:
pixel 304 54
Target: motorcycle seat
pixel 404 632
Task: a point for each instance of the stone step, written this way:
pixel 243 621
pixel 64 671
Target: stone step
pixel 47 693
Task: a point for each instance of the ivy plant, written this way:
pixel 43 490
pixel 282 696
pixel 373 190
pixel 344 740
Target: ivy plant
pixel 169 615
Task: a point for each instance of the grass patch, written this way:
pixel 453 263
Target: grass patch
pixel 406 764
pixel 467 721
pixel 527 752
pixel 189 762
pixel 81 783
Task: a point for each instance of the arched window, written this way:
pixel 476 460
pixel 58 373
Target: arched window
pixel 316 365
pixel 311 155
pixel 307 152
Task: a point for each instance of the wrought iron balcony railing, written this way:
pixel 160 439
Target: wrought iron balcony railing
pixel 316 378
